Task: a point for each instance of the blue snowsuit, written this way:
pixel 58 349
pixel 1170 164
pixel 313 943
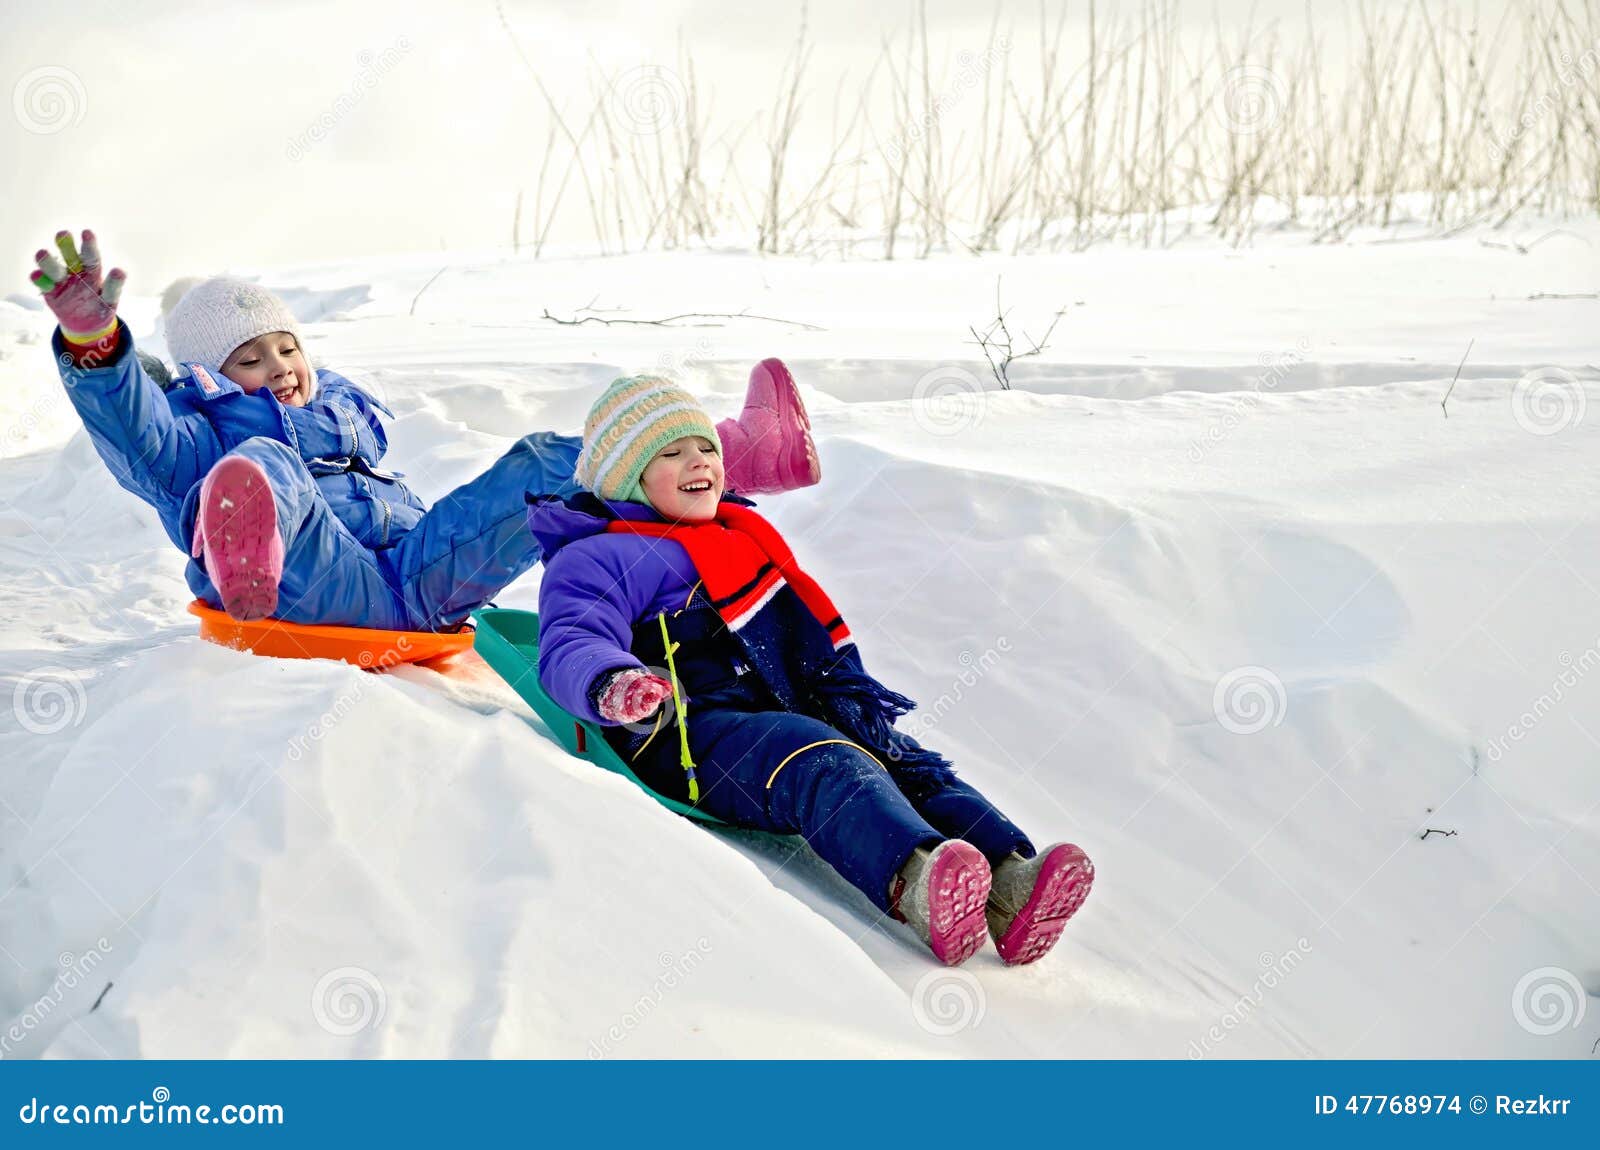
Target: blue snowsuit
pixel 360 549
pixel 758 764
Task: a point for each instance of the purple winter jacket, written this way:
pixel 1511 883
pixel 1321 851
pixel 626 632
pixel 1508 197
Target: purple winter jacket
pixel 597 585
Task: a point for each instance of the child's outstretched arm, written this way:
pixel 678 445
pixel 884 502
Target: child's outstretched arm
pixel 587 604
pixel 150 451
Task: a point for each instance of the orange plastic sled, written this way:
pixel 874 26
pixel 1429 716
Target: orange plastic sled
pixel 365 647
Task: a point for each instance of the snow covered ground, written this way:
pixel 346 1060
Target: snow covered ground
pixel 1218 590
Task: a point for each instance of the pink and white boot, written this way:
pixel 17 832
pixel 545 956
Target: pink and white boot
pixel 768 449
pixel 1031 900
pixel 236 531
pixel 941 893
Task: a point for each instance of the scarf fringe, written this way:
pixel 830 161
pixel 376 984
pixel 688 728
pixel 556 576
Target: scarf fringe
pixel 865 710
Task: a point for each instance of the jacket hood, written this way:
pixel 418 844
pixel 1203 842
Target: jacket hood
pixel 556 521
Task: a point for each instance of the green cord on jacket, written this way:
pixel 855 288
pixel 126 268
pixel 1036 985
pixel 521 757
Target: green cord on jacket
pixel 683 713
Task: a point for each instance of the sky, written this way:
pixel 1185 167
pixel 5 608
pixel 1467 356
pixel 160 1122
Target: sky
pixel 202 138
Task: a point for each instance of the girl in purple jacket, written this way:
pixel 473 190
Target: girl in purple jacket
pixel 675 616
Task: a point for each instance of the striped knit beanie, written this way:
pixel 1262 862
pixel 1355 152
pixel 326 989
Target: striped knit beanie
pixel 217 315
pixel 635 418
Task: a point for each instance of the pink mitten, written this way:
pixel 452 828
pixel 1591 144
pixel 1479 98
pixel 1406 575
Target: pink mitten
pixel 84 303
pixel 632 695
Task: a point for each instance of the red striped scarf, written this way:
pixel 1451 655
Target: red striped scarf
pixel 744 562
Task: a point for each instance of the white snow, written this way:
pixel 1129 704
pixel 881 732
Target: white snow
pixel 1226 496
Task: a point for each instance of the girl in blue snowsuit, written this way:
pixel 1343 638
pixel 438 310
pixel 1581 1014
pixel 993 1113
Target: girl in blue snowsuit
pixel 267 473
pixel 676 617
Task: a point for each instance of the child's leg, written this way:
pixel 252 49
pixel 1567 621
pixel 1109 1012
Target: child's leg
pixel 475 540
pixel 327 577
pixel 776 771
pixel 958 810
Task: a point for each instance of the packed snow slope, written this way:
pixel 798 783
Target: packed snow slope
pixel 1218 589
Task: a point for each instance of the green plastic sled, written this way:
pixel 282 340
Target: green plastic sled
pixel 508 641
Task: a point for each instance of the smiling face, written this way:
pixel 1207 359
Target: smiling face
pixel 273 361
pixel 684 480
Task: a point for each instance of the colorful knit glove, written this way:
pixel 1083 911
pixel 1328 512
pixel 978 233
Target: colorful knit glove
pixel 631 695
pixel 85 305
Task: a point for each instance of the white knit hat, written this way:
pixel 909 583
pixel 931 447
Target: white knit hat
pixel 219 314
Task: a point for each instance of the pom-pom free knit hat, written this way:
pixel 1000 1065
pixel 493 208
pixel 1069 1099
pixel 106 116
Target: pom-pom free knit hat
pixel 635 418
pixel 217 315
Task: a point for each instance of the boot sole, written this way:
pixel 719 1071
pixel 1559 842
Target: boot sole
pixel 1063 883
pixel 238 535
pixel 958 891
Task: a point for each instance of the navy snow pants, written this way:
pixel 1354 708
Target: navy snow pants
pixel 789 773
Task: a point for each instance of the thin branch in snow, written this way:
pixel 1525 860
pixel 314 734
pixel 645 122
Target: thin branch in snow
pixel 998 346
pixel 672 320
pixel 1436 831
pixel 1452 386
pixel 425 287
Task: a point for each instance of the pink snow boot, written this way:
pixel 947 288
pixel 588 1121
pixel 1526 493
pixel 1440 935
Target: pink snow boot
pixel 941 893
pixel 1032 899
pixel 768 449
pixel 237 533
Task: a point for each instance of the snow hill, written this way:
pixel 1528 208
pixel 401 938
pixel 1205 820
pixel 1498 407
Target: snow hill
pixel 1218 590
